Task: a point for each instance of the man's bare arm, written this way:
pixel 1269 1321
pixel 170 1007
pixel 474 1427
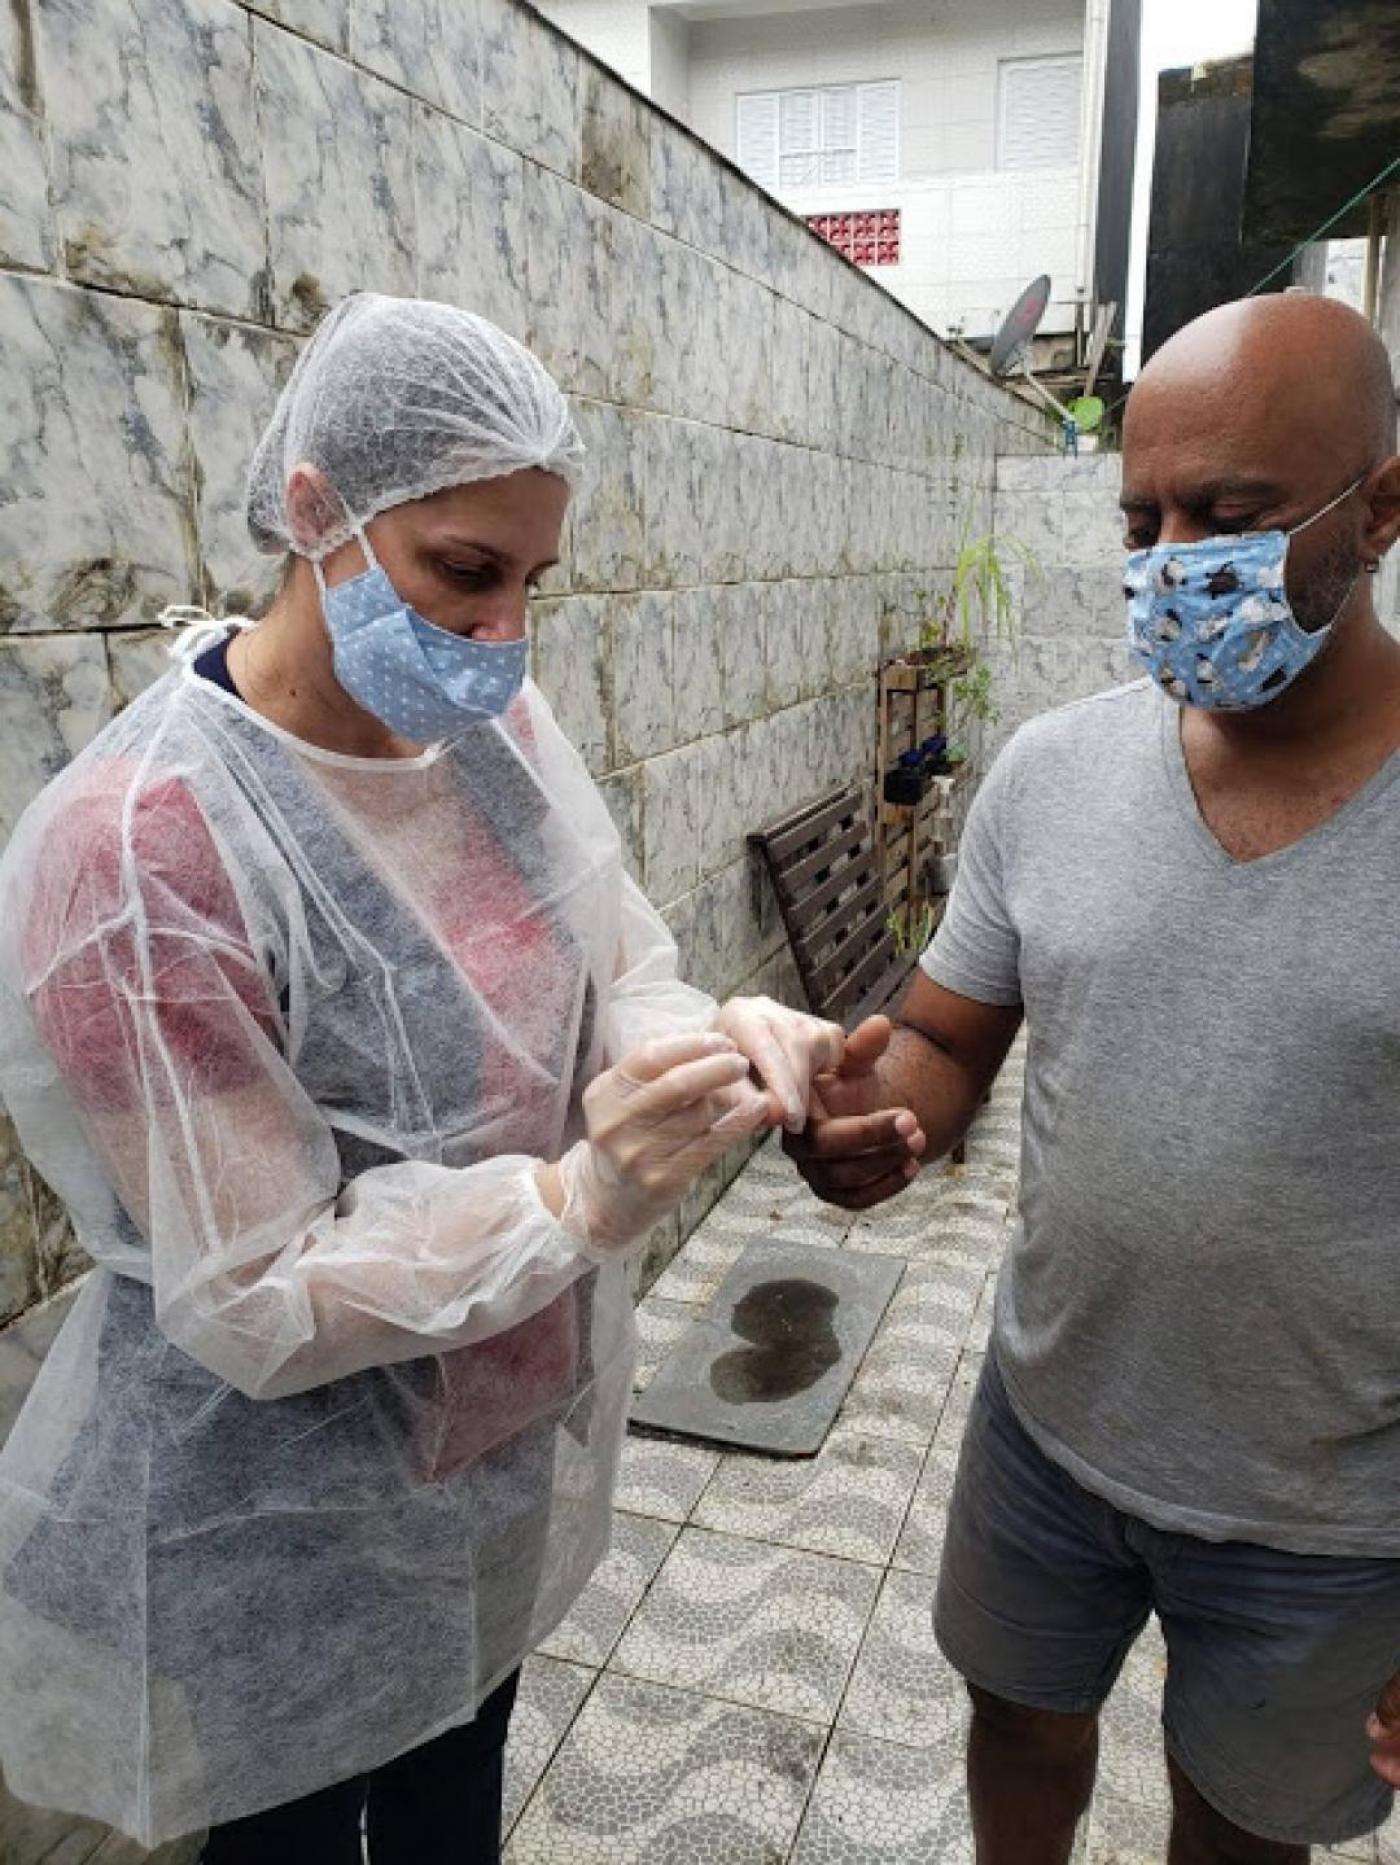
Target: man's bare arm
pixel 944 1055
pixel 901 1094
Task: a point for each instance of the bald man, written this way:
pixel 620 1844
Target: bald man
pixel 1189 889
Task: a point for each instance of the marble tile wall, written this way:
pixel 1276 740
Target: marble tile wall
pixel 152 197
pixel 28 238
pixel 1064 513
pixel 780 456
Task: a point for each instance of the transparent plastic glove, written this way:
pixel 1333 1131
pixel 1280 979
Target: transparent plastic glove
pixel 787 1049
pixel 655 1122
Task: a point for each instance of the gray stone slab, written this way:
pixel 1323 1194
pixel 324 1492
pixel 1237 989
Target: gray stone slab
pixel 768 1363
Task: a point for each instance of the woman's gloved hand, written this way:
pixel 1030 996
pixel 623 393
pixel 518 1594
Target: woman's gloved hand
pixel 787 1050
pixel 655 1122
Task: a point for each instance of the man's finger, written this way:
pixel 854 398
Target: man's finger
pixel 852 1134
pixel 912 1134
pixel 865 1045
pixel 863 1197
pixel 1388 1706
pixel 867 1169
pixel 1383 1731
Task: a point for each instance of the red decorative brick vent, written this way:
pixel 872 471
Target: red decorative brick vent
pixel 869 239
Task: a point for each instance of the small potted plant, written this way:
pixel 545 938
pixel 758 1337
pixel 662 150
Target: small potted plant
pixel 971 702
pixel 908 780
pixel 911 930
pixel 980 606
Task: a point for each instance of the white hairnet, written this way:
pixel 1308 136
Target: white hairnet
pixel 397 398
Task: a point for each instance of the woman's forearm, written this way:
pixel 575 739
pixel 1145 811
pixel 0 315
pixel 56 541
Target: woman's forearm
pixel 551 1190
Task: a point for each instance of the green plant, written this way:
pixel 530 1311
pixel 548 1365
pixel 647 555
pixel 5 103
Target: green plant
pixel 972 695
pixel 981 605
pixel 911 932
pixel 980 602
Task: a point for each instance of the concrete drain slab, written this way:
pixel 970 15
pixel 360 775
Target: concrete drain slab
pixel 767 1365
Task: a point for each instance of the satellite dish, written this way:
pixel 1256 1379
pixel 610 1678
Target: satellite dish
pixel 1019 326
pixel 1011 352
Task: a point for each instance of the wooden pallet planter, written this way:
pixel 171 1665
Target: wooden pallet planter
pixel 824 863
pixel 914 706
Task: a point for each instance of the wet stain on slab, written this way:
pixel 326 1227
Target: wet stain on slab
pixel 790 1343
pixel 768 1362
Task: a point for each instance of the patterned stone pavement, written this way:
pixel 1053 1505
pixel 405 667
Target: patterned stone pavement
pixel 752 1677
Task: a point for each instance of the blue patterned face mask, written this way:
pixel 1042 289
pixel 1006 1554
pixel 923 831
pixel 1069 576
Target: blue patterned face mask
pixel 1212 623
pixel 423 682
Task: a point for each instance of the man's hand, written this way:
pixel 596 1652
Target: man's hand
pixel 853 1152
pixel 1384 1732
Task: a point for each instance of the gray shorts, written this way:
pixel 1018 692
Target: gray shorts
pixel 1275 1660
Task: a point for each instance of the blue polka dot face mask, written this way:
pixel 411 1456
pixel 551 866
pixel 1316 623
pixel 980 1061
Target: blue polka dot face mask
pixel 1212 623
pixel 423 682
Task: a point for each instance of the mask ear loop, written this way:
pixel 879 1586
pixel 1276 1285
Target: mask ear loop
pixel 1331 506
pixel 361 536
pixel 1366 568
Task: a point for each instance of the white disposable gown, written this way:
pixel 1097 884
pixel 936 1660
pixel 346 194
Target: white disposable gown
pixel 326 1444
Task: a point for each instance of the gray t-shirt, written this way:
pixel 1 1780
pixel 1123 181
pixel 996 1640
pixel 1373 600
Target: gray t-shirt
pixel 1199 1316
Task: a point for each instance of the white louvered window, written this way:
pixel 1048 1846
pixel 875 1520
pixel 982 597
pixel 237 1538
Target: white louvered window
pixel 879 132
pixel 840 136
pixel 1038 112
pixel 788 140
pixel 799 126
pixel 758 139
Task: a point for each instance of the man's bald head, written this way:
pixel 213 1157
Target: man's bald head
pixel 1260 416
pixel 1297 366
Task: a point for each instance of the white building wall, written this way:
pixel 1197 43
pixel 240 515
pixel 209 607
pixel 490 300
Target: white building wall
pixel 617 31
pixel 969 243
pixel 972 235
pixel 670 62
pixel 946 57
